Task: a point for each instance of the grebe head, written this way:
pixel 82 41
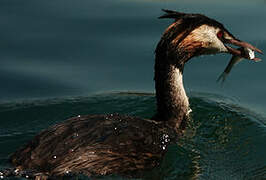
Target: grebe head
pixel 196 34
pixel 190 35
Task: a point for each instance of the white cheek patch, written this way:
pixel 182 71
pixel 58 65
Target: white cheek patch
pixel 250 53
pixel 207 35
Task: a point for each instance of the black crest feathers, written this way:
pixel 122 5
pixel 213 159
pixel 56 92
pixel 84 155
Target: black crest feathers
pixel 171 14
pixel 190 20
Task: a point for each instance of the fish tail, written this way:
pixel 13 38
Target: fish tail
pixel 222 77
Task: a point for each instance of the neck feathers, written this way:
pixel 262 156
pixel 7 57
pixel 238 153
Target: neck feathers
pixel 172 101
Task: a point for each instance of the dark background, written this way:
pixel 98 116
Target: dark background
pixel 68 48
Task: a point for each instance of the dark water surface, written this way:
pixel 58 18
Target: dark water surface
pixel 56 55
pixel 222 141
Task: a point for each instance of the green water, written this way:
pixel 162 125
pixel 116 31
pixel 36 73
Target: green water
pixel 222 140
pixel 52 52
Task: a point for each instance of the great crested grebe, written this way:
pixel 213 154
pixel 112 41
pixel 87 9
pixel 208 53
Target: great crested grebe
pixel 96 145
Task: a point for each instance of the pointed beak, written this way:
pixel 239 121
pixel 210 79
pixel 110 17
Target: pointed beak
pixel 241 51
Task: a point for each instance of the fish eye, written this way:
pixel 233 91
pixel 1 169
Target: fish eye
pixel 220 34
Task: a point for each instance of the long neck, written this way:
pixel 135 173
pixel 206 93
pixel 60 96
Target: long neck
pixel 172 101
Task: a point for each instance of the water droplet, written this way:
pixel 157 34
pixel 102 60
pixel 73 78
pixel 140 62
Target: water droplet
pixel 54 157
pixel 27 176
pixel 75 135
pixel 165 138
pixel 1 174
pixel 79 116
pixel 103 173
pixel 1 177
pixel 115 128
pixel 163 147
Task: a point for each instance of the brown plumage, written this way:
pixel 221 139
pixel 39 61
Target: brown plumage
pixel 96 145
pixel 124 145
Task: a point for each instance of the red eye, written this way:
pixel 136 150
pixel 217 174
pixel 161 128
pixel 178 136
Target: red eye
pixel 220 34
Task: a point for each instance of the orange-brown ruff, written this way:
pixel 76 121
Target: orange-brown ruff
pixel 117 144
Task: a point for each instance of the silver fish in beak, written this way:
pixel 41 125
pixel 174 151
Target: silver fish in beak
pixel 245 53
